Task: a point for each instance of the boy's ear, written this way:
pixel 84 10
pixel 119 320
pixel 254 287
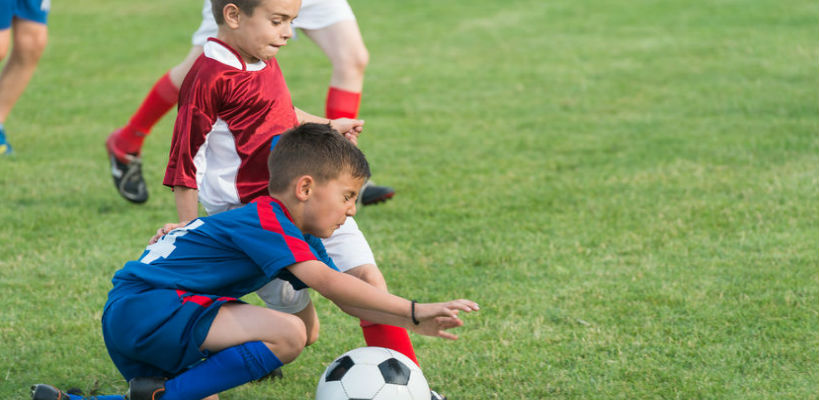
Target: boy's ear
pixel 231 14
pixel 304 187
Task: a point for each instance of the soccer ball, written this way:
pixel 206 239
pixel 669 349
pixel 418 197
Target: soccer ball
pixel 372 373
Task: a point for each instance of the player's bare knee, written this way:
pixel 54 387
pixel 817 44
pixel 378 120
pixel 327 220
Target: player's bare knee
pixel 29 48
pixel 371 274
pixel 289 345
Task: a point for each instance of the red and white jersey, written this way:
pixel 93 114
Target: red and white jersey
pixel 228 113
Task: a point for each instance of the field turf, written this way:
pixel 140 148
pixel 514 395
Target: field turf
pixel 629 190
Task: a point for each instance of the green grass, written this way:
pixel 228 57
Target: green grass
pixel 629 190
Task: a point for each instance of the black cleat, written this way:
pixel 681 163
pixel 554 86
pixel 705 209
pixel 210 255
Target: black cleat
pixel 374 194
pixel 436 396
pixel 150 388
pixel 126 169
pixel 47 392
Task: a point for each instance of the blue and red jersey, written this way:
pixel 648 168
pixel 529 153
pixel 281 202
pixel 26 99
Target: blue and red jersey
pixel 227 254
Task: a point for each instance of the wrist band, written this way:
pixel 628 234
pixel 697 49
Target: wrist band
pixel 414 321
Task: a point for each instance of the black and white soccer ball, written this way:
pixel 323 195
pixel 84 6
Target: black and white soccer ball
pixel 372 373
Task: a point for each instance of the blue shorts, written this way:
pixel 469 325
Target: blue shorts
pixel 32 10
pixel 157 332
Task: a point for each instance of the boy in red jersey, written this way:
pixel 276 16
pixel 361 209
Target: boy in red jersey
pixel 331 24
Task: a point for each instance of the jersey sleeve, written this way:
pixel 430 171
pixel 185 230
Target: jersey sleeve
pixel 199 99
pixel 273 242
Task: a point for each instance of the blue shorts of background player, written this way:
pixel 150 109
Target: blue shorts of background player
pixel 32 10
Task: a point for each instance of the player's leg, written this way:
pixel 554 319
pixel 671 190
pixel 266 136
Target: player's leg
pixel 5 38
pixel 160 99
pixel 279 295
pixel 124 145
pixel 28 43
pixel 340 39
pixel 244 343
pixel 352 254
pixel 344 46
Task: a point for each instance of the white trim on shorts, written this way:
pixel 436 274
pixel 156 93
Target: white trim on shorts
pixel 314 14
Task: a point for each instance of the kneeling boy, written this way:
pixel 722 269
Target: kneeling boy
pixel 173 324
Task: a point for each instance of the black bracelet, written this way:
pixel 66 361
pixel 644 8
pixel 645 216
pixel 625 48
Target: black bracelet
pixel 414 321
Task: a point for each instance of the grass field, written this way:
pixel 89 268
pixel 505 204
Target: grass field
pixel 628 189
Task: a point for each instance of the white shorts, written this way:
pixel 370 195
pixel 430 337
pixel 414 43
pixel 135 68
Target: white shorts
pixel 348 248
pixel 314 14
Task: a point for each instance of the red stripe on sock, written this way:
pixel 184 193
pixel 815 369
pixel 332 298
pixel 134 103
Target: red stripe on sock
pixel 342 103
pixel 391 337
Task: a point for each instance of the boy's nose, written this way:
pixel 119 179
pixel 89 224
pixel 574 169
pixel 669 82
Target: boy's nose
pixel 351 211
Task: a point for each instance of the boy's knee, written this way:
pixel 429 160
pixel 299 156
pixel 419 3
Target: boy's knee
pixel 371 274
pixel 354 63
pixel 288 347
pixel 30 47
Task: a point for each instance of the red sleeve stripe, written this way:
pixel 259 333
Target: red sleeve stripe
pixel 267 217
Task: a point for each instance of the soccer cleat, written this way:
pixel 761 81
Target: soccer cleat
pixel 126 169
pixel 436 396
pixel 5 147
pixel 47 392
pixel 374 194
pixel 148 388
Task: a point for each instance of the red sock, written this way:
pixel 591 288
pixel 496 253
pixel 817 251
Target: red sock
pixel 342 103
pixel 159 101
pixel 391 337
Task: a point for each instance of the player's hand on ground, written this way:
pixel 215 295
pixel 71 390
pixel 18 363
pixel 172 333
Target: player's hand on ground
pixel 165 229
pixel 350 128
pixel 450 309
pixel 437 327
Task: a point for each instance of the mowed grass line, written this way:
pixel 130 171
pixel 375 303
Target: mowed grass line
pixel 629 192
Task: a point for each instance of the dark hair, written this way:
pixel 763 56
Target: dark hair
pixel 218 6
pixel 316 150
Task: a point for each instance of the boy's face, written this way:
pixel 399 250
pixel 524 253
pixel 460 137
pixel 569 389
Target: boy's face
pixel 259 36
pixel 330 204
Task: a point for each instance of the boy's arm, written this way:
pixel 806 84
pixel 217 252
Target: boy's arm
pixel 354 294
pixel 430 327
pixel 187 202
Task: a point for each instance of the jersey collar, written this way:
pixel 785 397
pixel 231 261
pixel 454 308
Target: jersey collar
pixel 267 199
pixel 222 52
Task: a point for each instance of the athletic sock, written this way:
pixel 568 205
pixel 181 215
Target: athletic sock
pixel 342 103
pixel 226 369
pixel 157 103
pixel 391 337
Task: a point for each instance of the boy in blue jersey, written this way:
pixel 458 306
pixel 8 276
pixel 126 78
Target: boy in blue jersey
pixel 173 324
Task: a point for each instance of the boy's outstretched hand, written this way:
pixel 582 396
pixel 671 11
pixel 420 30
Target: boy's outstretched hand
pixel 350 128
pixel 435 318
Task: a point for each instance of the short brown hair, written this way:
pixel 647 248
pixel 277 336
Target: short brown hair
pixel 218 6
pixel 316 150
